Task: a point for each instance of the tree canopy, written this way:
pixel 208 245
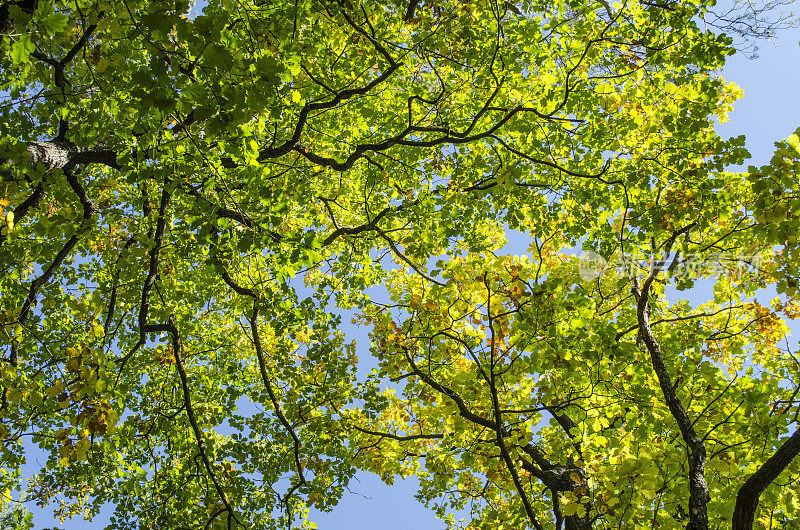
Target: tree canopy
pixel 193 202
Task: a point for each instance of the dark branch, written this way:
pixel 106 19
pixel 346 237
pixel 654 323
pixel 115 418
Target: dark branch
pixel 187 404
pixel 30 300
pixel 747 498
pixel 262 368
pixel 698 488
pixel 406 438
pixel 410 11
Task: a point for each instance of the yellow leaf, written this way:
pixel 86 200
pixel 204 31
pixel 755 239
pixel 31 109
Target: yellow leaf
pixel 81 449
pixel 14 395
pixel 73 364
pixel 36 399
pixel 793 141
pixel 570 507
pixel 55 390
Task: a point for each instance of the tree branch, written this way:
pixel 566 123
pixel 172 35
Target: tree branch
pixel 262 368
pixel 748 495
pixel 698 488
pixel 410 11
pixel 187 403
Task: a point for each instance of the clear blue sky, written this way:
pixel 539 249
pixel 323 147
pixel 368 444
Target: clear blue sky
pixel 770 110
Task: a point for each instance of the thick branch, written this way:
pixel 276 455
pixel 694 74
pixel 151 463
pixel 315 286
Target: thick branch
pixel 356 229
pixel 747 498
pixel 293 142
pixel 262 367
pixel 698 488
pixel 61 154
pixel 410 11
pixel 515 476
pixel 54 154
pixel 152 270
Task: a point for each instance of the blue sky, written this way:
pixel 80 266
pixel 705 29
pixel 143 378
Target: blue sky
pixel 770 110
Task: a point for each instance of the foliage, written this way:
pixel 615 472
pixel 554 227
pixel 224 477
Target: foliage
pixel 14 515
pixel 192 202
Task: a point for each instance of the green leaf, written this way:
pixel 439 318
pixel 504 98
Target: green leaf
pixel 22 49
pixel 54 23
